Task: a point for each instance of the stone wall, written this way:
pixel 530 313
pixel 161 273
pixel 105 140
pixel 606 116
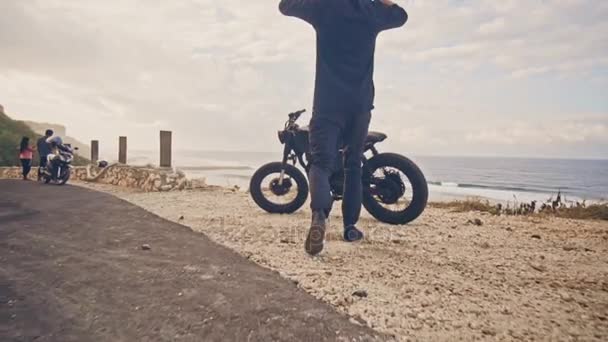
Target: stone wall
pixel 143 178
pixel 78 173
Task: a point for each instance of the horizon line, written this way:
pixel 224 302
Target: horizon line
pixel 413 154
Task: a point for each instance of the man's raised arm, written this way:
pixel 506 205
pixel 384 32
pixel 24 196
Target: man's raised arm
pixel 389 15
pixel 307 10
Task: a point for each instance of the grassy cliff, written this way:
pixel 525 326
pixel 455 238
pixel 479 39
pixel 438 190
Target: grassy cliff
pixel 11 132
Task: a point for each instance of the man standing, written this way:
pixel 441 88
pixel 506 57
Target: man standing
pixel 44 149
pixel 344 98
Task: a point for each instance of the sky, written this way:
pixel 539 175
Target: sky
pixel 462 78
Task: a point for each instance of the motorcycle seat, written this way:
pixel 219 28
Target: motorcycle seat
pixel 375 137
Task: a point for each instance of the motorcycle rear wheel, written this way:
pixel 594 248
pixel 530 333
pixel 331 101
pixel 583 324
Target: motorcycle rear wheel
pixel 389 165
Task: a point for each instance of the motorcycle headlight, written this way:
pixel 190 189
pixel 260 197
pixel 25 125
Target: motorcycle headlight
pixel 282 136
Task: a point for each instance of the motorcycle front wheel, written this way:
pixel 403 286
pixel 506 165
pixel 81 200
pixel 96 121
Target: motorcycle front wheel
pixel 395 190
pixel 65 176
pixel 276 196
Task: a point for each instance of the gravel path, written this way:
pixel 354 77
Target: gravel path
pixel 86 266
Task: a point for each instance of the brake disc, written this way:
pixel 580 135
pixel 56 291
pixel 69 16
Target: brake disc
pixel 391 188
pixel 280 189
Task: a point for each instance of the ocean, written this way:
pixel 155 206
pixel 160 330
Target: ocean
pixel 497 179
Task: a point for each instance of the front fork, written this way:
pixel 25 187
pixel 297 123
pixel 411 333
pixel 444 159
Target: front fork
pixel 286 154
pixel 281 177
pixel 289 155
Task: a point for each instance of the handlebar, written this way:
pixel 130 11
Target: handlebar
pixel 295 115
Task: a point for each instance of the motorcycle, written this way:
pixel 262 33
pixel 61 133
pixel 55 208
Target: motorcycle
pixel 58 168
pixel 395 190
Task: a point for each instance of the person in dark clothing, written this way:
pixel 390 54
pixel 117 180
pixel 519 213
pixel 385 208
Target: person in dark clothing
pixel 44 149
pixel 346 33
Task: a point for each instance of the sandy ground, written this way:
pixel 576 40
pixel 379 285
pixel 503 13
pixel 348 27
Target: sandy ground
pixel 440 278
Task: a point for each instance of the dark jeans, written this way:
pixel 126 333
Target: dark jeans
pixel 27 166
pixel 42 165
pixel 326 139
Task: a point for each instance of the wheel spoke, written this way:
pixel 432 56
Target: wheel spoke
pixel 279 198
pixel 393 190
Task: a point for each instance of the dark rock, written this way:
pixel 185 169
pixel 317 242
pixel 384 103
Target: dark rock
pixel 476 222
pixel 360 293
pixel 538 267
pixel 358 320
pixel 146 247
pixel 536 236
pixel 488 331
pixel 181 217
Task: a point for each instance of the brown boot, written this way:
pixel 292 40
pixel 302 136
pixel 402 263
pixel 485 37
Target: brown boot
pixel 316 234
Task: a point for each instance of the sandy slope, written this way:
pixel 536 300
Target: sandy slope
pixel 440 278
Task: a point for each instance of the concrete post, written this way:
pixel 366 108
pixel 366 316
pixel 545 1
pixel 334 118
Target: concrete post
pixel 165 149
pixel 122 150
pixel 94 151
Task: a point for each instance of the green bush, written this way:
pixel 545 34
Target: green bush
pixel 11 132
pixel 578 211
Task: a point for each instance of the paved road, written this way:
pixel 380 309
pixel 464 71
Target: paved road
pixel 72 269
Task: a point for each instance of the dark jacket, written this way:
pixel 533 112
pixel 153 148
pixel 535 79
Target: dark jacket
pixel 44 148
pixel 346 42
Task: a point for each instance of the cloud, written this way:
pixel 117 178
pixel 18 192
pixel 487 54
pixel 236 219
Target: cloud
pixel 494 26
pixel 422 135
pixel 554 139
pixel 539 135
pixel 513 36
pixel 223 75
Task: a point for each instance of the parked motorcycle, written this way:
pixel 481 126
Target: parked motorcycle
pixel 395 190
pixel 59 165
